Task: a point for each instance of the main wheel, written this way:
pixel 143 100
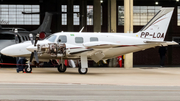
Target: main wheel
pixel 61 69
pixel 82 70
pixel 28 69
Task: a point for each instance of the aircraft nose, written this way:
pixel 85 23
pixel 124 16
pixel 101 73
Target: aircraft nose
pixel 31 48
pixel 7 51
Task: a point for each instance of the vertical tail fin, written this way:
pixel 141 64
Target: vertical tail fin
pixel 46 24
pixel 157 27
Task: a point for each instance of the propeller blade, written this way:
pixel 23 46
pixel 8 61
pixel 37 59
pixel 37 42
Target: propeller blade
pixel 36 56
pixel 32 54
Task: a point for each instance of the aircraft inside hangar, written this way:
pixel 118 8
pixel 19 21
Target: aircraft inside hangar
pixel 93 16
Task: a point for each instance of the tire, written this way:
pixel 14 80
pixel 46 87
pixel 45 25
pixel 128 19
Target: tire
pixel 28 69
pixel 60 69
pixel 82 70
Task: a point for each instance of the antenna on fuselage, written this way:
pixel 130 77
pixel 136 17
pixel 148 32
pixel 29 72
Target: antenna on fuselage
pixel 81 30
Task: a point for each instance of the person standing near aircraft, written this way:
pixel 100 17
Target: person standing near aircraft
pixel 21 64
pixel 162 54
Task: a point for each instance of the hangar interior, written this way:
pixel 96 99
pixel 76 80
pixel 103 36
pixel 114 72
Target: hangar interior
pixel 72 15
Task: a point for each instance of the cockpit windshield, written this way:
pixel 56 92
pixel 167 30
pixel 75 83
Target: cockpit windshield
pixel 7 36
pixel 51 38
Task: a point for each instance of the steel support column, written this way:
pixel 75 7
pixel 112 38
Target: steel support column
pixel 112 26
pixel 128 28
pixel 97 16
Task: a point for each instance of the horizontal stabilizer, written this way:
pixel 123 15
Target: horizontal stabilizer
pixel 154 41
pixel 164 43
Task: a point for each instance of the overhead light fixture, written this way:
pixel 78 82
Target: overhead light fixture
pixel 156 3
pixel 177 0
pixel 101 1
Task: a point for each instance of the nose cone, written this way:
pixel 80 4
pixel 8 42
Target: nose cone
pixel 17 50
pixel 8 51
pixel 31 48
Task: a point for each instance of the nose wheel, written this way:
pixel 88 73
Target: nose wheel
pixel 28 68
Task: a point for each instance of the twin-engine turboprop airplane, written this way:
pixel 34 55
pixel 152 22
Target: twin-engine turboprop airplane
pixel 93 46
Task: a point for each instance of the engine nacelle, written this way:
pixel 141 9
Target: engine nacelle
pixel 53 49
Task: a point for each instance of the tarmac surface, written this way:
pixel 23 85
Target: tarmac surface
pixel 99 84
pixel 60 92
pixel 100 76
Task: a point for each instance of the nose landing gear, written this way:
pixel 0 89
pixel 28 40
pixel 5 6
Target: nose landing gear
pixel 28 68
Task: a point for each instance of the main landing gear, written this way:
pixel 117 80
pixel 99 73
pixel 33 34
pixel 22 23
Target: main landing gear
pixel 61 68
pixel 83 69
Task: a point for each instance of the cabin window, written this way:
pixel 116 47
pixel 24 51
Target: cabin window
pixel 63 38
pixel 79 40
pixel 51 38
pixel 93 39
pixel 7 36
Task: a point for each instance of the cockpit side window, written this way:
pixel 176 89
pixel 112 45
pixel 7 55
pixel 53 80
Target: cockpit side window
pixel 51 38
pixel 63 38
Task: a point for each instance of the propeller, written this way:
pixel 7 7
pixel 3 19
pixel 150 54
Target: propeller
pixel 35 54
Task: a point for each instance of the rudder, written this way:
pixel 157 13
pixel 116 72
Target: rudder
pixel 157 27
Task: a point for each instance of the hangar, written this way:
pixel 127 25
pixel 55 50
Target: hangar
pixel 95 16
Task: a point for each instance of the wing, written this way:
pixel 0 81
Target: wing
pixel 90 46
pixel 100 44
pixel 95 50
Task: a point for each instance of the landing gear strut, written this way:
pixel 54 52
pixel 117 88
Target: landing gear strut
pixel 83 69
pixel 61 67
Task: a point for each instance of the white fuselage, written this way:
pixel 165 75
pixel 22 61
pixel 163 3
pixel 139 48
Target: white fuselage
pixel 126 43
